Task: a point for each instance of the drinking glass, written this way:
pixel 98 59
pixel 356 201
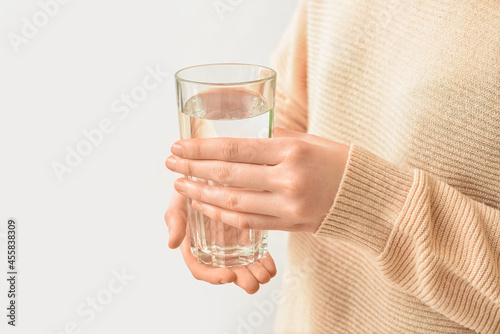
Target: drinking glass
pixel 225 100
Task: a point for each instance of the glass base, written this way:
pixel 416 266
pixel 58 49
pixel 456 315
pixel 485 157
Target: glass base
pixel 230 258
pixel 221 245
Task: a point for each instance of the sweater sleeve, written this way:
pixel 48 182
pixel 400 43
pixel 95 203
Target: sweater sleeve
pixel 290 62
pixel 430 239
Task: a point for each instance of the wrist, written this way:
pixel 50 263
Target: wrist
pixel 370 198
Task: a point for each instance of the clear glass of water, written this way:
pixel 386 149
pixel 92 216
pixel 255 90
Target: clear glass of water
pixel 225 100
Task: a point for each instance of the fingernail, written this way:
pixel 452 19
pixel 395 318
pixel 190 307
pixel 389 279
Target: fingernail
pixel 180 185
pixel 171 162
pixel 223 282
pixel 176 149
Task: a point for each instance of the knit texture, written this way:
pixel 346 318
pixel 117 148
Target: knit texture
pixel 411 243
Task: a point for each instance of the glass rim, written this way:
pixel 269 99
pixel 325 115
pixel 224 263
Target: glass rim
pixel 180 79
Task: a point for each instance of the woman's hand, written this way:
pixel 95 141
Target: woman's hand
pixel 249 278
pixel 285 183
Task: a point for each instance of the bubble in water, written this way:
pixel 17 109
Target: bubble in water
pixel 195 107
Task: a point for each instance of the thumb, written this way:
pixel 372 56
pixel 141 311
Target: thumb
pixel 176 219
pixel 307 137
pixel 282 132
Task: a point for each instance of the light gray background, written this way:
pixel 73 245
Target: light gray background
pixel 107 213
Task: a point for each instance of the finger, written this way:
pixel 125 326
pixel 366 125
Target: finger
pixel 227 173
pixel 246 280
pixel 205 272
pixel 235 199
pixel 248 150
pixel 241 220
pixel 268 263
pixel 176 219
pixel 259 272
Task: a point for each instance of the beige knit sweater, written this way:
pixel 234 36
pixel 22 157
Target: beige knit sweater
pixel 412 242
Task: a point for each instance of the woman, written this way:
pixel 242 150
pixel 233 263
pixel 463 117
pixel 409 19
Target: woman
pixel 387 171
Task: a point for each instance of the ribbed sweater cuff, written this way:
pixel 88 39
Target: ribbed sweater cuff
pixel 370 198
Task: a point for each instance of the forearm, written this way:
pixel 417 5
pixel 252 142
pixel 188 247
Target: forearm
pixel 436 243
